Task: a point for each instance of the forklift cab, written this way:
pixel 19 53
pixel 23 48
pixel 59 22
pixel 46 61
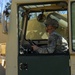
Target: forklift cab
pixel 31 30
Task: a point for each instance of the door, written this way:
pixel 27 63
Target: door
pixel 72 33
pixel 44 65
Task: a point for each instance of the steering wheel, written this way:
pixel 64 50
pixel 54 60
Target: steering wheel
pixel 27 48
pixel 31 42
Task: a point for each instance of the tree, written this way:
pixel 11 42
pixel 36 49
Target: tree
pixel 7 8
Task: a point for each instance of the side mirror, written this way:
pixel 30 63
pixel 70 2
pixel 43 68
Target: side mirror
pixel 4 21
pixel 41 17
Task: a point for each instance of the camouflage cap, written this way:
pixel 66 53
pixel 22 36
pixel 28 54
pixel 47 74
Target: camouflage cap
pixel 50 21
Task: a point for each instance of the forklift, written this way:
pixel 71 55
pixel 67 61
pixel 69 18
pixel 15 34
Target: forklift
pixel 27 28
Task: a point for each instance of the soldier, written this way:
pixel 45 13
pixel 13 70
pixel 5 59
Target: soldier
pixel 56 43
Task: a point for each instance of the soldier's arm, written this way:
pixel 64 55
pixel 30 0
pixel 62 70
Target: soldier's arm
pixel 50 48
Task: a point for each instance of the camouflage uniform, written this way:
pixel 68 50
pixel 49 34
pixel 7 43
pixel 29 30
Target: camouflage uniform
pixel 56 43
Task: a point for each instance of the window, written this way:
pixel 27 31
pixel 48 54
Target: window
pixel 35 29
pixel 31 26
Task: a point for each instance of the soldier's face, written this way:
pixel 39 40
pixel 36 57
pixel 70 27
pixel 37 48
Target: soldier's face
pixel 49 28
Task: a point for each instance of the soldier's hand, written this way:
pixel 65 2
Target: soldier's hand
pixel 35 47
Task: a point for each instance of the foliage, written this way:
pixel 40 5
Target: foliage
pixel 7 8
